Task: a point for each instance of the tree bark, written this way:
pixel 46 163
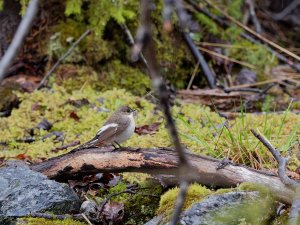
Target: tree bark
pixel 157 161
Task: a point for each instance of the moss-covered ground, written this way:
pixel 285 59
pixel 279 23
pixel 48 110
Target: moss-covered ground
pixel 201 130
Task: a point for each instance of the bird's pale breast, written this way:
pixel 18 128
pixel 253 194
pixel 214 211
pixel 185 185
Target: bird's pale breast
pixel 127 133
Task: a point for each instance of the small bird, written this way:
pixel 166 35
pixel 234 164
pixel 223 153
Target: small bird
pixel 118 128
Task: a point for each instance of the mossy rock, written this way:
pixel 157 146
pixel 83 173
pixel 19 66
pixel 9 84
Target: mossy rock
pixel 195 193
pixel 38 221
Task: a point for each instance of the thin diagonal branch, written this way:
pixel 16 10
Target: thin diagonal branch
pixel 282 161
pixel 19 37
pixel 42 83
pixel 179 201
pixel 145 43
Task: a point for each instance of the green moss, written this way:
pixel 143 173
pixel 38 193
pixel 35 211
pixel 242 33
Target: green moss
pixel 208 24
pixel 251 212
pixel 100 12
pixel 256 55
pixel 235 8
pixel 262 189
pixel 8 97
pixel 137 178
pixel 256 211
pixel 73 7
pixel 24 4
pixel 69 28
pixel 38 221
pixel 104 44
pixel 97 50
pixel 139 207
pixel 73 77
pixel 195 193
pixel 283 219
pixel 175 59
pixel 56 50
pixel 116 74
pixel 53 106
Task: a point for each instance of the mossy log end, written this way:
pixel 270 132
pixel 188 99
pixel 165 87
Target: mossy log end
pixel 156 161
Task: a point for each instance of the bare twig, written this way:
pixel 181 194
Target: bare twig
pixel 184 20
pixel 286 11
pixel 131 41
pixel 21 140
pixel 199 58
pixel 19 37
pixel 193 76
pixel 57 217
pixel 282 161
pixel 179 201
pixel 256 97
pixel 183 17
pixel 227 58
pixel 145 42
pixel 167 13
pixel 86 219
pixel 255 90
pixel 254 19
pixel 130 190
pixel 42 83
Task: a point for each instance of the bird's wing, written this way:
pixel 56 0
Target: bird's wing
pixel 121 122
pixel 106 132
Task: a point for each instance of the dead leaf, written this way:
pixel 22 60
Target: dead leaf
pixel 113 212
pixel 74 116
pixel 147 129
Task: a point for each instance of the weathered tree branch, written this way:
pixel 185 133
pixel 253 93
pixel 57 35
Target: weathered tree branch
pixel 162 161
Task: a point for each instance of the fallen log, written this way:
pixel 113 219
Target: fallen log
pixel 157 161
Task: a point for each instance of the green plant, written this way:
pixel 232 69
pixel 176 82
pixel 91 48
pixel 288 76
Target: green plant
pixel 233 139
pixel 100 12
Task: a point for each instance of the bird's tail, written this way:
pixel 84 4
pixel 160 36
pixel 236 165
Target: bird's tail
pixel 89 144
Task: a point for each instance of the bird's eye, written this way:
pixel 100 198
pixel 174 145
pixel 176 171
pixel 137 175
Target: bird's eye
pixel 129 110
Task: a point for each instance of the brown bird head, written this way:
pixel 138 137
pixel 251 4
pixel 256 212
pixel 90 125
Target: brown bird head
pixel 126 110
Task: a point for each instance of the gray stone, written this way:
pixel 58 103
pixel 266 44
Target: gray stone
pixel 23 191
pixel 158 220
pixel 229 208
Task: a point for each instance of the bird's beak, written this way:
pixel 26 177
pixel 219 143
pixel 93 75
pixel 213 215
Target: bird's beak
pixel 134 111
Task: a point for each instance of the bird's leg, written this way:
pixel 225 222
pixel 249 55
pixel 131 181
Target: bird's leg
pixel 115 147
pixel 119 146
